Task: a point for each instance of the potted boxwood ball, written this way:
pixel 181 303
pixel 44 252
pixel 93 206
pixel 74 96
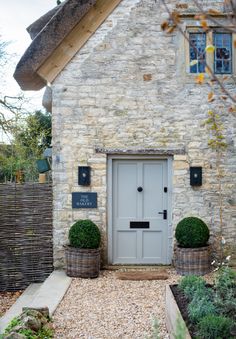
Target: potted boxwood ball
pixel 83 252
pixel 192 251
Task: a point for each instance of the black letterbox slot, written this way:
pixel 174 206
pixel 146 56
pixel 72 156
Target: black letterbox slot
pixel 139 224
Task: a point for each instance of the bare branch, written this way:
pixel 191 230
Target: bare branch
pixel 208 68
pixel 212 19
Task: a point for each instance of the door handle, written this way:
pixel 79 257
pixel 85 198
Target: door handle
pixel 139 189
pixel 164 214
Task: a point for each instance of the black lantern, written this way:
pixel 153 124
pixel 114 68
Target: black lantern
pixel 84 175
pixel 195 176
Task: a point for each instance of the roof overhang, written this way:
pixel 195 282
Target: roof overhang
pixel 70 26
pixel 64 18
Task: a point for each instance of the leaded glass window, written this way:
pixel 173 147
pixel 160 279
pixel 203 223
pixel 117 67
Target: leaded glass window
pixel 223 53
pixel 197 45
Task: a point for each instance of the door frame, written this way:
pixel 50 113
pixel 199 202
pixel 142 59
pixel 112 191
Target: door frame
pixel 110 160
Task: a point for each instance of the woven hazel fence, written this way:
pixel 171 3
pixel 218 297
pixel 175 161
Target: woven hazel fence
pixel 26 250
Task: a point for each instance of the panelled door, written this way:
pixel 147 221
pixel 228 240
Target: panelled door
pixel 140 211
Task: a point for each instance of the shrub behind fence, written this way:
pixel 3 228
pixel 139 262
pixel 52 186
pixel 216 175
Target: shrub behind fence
pixel 26 250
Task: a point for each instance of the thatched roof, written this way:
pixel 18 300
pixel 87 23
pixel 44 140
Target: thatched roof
pixel 47 33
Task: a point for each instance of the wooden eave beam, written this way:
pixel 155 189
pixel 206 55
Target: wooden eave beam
pixel 76 39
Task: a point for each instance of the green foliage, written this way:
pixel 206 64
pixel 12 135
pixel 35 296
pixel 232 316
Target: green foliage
pixel 15 322
pixel 215 126
pixel 225 292
pixel 195 287
pixel 192 232
pixel 206 304
pixel 44 333
pixel 226 306
pixel 180 331
pixel 191 284
pixel 215 327
pixel 29 141
pixel 200 307
pixel 35 135
pixel 84 234
pixel 225 281
pixel 155 330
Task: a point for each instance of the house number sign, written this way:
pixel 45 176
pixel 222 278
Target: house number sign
pixel 84 200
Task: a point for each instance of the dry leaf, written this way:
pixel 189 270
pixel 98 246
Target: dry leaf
pixel 232 109
pixel 164 25
pixel 210 96
pixel 204 24
pixel 171 29
pixel 200 78
pixel 213 12
pixel 175 17
pixel 193 62
pixel 147 77
pixel 210 49
pixel 182 6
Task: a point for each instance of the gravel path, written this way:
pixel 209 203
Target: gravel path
pixel 107 308
pixel 7 299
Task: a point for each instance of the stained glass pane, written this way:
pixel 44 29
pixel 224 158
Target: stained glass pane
pixel 197 45
pixel 223 53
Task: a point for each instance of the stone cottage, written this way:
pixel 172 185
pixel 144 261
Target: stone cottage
pixel 128 121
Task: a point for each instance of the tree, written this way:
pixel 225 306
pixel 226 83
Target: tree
pixel 30 139
pixel 35 134
pixel 29 134
pixel 11 106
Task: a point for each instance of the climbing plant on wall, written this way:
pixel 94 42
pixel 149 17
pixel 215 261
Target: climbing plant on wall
pixel 221 95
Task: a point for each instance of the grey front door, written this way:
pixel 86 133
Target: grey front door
pixel 139 197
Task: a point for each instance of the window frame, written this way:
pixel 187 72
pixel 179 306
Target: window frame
pixel 209 56
pixel 204 62
pixel 215 31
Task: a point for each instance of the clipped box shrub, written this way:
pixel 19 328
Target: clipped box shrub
pixel 84 234
pixel 192 232
pixel 83 253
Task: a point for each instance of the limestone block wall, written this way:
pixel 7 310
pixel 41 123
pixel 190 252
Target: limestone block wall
pixel 127 89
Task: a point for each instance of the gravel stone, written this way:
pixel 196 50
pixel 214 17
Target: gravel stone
pixel 106 307
pixel 7 299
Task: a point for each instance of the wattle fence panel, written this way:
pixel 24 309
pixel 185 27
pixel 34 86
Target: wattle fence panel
pixel 26 246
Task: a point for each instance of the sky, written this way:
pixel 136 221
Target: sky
pixel 15 17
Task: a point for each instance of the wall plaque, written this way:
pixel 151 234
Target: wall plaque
pixel 84 200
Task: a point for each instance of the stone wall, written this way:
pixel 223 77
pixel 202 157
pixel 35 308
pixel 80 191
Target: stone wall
pixel 127 89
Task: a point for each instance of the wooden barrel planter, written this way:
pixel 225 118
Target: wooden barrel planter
pixel 192 260
pixel 82 263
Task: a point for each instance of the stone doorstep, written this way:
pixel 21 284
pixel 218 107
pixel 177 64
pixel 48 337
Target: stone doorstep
pixel 49 293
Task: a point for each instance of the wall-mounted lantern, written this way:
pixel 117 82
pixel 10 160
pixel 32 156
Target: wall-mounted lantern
pixel 195 176
pixel 84 175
